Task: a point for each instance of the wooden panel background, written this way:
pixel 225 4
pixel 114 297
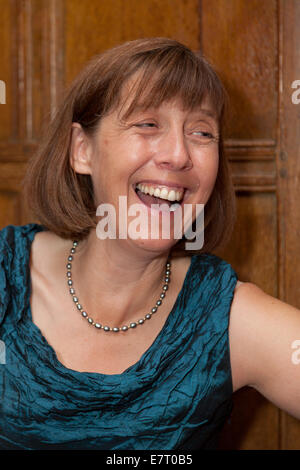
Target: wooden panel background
pixel 254 45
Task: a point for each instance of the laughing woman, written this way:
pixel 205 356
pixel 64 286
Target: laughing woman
pixel 129 342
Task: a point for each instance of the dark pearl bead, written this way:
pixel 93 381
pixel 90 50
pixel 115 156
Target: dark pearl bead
pixel 107 328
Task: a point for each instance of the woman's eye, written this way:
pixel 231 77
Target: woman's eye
pixel 146 124
pixel 203 134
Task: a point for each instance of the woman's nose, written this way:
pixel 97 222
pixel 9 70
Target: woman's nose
pixel 173 151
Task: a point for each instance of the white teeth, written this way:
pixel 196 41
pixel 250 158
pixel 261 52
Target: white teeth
pixel 163 193
pixel 172 195
pixel 173 207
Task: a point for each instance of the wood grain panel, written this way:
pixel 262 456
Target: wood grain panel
pixel 23 11
pixel 255 237
pixel 6 110
pixel 250 149
pixel 35 63
pixel 39 38
pixel 10 188
pixel 174 19
pixel 259 173
pixel 240 38
pixel 253 425
pixel 11 175
pixel 253 254
pixel 93 26
pixel 11 201
pixel 253 164
pixel 13 152
pixel 48 60
pixel 9 208
pixel 288 162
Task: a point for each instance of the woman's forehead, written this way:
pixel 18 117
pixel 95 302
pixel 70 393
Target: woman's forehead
pixel 204 109
pixel 138 94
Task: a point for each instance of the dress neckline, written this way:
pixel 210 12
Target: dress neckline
pixel 50 353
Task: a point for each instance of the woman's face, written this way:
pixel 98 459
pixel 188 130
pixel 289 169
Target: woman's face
pixel 166 148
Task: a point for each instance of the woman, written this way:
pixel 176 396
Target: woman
pixel 125 342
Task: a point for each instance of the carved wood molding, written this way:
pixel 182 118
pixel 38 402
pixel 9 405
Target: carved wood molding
pixel 253 164
pixel 242 150
pixel 16 152
pixel 37 63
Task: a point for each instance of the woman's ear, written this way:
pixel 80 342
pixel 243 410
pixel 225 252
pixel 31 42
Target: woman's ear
pixel 80 150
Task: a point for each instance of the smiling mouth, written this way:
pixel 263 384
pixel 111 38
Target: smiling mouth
pixel 163 204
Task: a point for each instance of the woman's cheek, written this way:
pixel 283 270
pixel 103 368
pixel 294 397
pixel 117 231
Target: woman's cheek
pixel 208 164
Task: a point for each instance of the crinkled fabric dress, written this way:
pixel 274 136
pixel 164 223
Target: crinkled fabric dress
pixel 177 396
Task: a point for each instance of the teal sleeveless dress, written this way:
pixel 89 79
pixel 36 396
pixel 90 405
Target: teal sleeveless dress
pixel 177 396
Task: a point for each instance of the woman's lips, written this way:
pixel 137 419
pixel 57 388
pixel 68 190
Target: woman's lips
pixel 162 184
pixel 152 202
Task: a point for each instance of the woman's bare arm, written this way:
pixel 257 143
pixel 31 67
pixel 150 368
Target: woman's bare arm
pixel 265 346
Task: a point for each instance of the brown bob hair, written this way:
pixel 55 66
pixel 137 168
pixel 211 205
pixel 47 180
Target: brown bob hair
pixel 61 199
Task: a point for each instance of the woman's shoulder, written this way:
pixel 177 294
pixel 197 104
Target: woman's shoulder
pixel 24 245
pixel 221 267
pixel 210 286
pixel 12 235
pixel 24 250
pixel 15 243
pixel 14 255
pixel 211 269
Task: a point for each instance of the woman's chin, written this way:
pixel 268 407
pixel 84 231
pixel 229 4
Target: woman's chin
pixel 155 245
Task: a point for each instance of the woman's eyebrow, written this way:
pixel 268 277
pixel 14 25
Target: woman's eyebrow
pixel 130 113
pixel 208 113
pixel 198 113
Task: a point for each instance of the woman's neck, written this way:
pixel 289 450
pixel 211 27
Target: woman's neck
pixel 115 281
